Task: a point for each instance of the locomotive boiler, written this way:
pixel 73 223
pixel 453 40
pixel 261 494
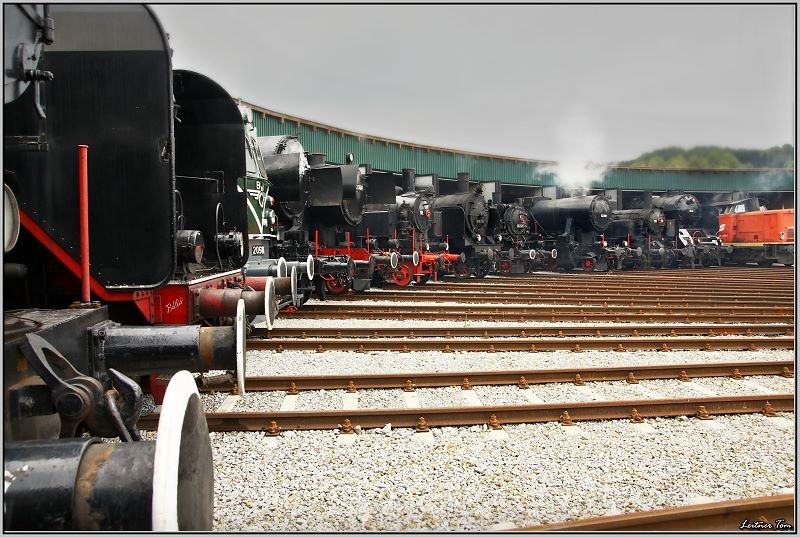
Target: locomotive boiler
pixel 464 223
pixel 573 227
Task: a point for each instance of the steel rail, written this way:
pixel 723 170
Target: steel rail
pixel 738 274
pixel 497 314
pixel 476 415
pixel 553 308
pixel 510 297
pixel 615 290
pixel 581 291
pixel 523 332
pixel 717 516
pixel 497 378
pixel 520 344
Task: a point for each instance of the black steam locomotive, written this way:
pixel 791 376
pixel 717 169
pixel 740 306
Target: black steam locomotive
pixel 96 124
pixel 570 231
pixel 401 227
pixel 464 224
pixel 690 234
pixel 635 238
pixel 316 204
pixel 508 225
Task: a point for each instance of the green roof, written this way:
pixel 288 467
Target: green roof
pixel 394 155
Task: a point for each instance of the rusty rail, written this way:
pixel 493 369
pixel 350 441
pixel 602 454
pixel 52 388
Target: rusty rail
pixel 726 516
pixel 520 344
pixel 559 308
pixel 506 414
pixel 497 314
pixel 523 332
pixel 512 297
pixel 519 377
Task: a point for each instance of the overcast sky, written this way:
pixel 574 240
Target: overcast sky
pixel 601 83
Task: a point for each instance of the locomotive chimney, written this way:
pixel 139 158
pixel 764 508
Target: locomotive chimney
pixel 316 159
pixel 409 179
pixel 463 183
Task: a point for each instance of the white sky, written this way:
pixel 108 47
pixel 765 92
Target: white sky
pixel 562 82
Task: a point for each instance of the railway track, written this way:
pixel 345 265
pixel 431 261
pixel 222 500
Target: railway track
pixel 493 416
pixel 511 297
pixel 528 332
pixel 551 314
pixel 775 274
pixel 521 344
pixel 717 516
pixel 411 381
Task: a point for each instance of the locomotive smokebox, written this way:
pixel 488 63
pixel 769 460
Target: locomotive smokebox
pixel 586 212
pixel 285 172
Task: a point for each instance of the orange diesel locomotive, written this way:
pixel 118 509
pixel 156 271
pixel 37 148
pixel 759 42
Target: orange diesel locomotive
pixel 764 237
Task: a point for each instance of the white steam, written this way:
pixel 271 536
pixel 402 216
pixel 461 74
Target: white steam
pixel 580 152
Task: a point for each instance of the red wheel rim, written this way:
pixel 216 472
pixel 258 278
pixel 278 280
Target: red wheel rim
pixel 335 287
pixel 402 275
pixel 588 263
pixel 505 267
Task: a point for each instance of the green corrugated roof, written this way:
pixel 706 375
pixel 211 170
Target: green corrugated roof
pixel 394 155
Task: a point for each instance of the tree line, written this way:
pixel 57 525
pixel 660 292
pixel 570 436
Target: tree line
pixel 716 157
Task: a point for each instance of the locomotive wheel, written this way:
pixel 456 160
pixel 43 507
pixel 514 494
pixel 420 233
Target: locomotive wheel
pixel 402 275
pixel 588 264
pixel 504 267
pixel 336 287
pixel 461 271
pixel 481 271
pixel 183 469
pixel 306 295
pixel 320 289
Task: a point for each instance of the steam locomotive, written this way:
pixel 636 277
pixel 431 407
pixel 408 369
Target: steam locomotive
pixel 81 338
pixel 690 230
pixel 571 230
pixel 508 223
pixel 316 202
pixel 464 223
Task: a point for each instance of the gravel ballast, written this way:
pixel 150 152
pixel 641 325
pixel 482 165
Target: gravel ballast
pixel 465 481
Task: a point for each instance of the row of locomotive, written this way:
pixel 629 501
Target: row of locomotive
pixel 408 233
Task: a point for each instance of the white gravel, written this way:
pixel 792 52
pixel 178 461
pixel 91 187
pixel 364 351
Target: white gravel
pixel 500 395
pixel 467 482
pixel 381 399
pixel 260 363
pixel 288 321
pixel 259 402
pixel 726 386
pixel 320 400
pixel 212 400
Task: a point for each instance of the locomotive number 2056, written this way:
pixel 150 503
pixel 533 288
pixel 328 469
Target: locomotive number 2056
pixel 258 250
